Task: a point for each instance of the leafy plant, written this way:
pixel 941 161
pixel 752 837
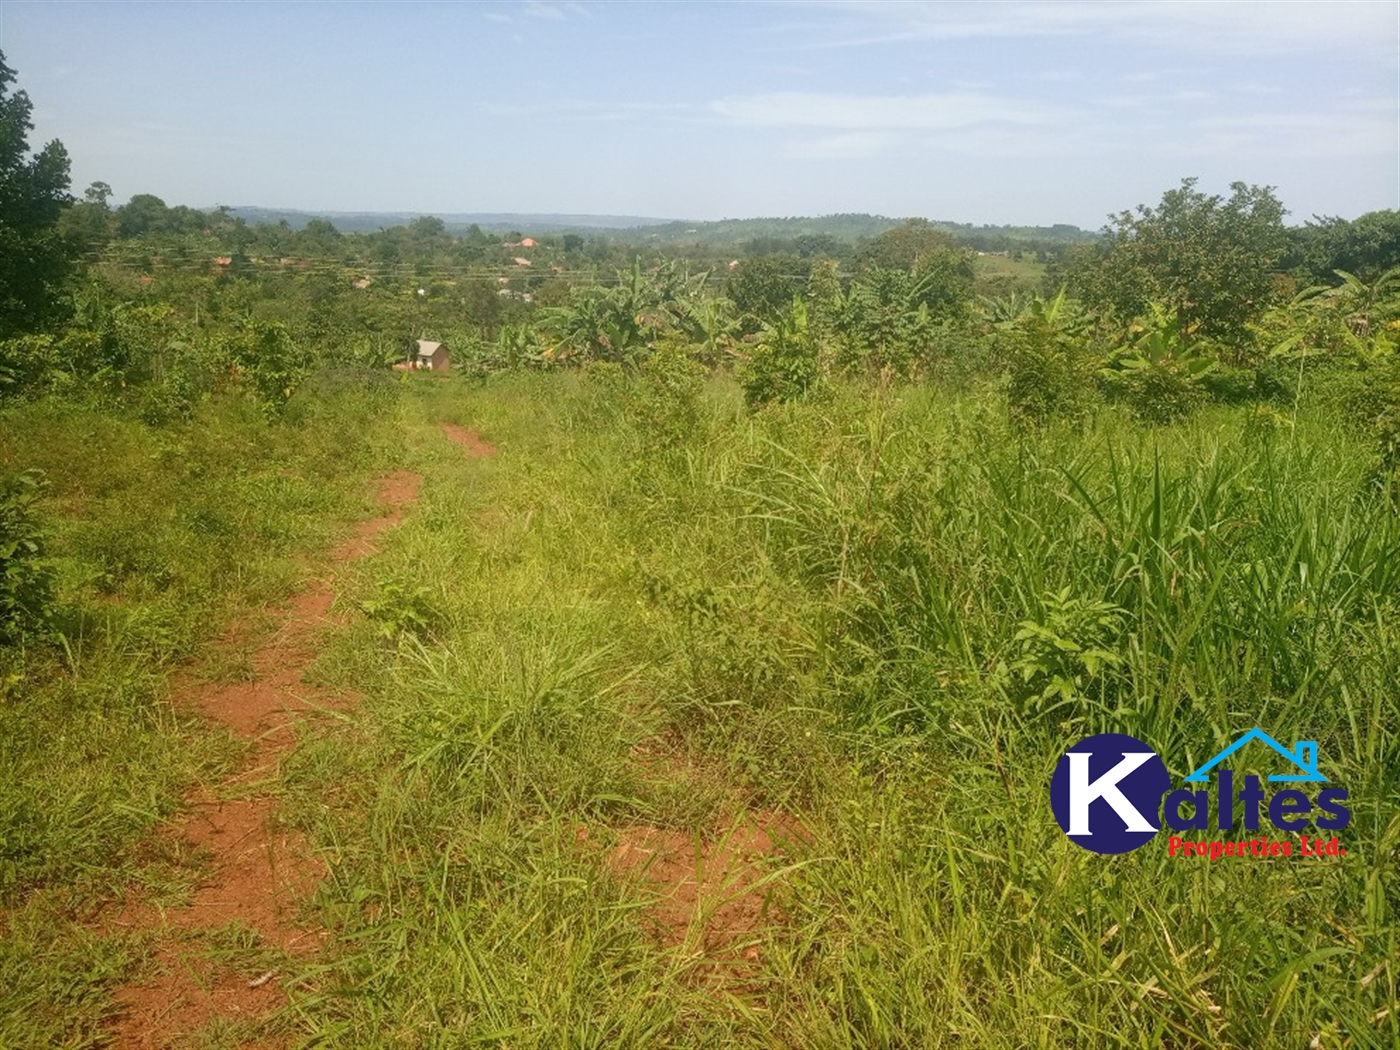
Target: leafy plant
pixel 1061 656
pixel 1049 360
pixel 1159 375
pixel 26 574
pixel 887 322
pixel 264 355
pixel 402 611
pixel 785 364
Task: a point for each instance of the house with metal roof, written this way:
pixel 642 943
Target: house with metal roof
pixel 431 356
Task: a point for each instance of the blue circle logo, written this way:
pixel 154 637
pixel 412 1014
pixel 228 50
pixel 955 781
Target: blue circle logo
pixel 1107 791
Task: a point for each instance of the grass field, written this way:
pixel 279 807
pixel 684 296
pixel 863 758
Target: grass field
pixel 1002 273
pixel 684 726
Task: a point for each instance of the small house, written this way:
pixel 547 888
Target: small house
pixel 430 356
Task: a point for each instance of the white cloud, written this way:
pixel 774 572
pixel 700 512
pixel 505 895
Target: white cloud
pixel 1299 135
pixel 1259 26
pixel 881 112
pixel 851 145
pixel 552 12
pixel 1021 143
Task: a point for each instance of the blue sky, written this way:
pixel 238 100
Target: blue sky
pixel 991 112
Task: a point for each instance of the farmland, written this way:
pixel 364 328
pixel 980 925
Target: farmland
pixel 689 664
pixel 610 637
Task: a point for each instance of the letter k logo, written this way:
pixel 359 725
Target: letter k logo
pixel 1107 791
pixel 1083 791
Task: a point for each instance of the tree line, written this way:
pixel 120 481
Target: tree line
pixel 1199 296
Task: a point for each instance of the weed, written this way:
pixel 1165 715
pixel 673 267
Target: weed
pixel 26 573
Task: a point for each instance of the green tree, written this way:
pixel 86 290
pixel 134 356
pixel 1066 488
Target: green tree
pixel 87 225
pixel 762 287
pixel 144 213
pixel 1366 247
pixel 906 246
pixel 1208 260
pixel 785 365
pixel 942 268
pixel 34 257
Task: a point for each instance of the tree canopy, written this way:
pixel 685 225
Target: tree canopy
pixel 34 258
pixel 1209 259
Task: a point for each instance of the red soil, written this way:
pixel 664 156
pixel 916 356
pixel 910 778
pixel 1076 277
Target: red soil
pixel 711 893
pixel 469 441
pixel 259 873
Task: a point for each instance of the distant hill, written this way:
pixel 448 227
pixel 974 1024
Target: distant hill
pixel 722 233
pixel 369 221
pixel 850 229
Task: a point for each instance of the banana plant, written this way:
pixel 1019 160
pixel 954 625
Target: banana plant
pixel 1159 373
pixel 1354 318
pixel 1161 344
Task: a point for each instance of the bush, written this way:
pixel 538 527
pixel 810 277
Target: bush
pixel 1161 377
pixel 26 575
pixel 27 362
pixel 785 364
pixel 1050 362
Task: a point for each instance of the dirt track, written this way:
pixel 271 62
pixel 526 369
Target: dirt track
pixel 259 873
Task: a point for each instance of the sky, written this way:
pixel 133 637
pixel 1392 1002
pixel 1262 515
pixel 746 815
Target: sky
pixel 1014 112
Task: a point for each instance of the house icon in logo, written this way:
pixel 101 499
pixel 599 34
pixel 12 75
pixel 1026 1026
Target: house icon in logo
pixel 1303 755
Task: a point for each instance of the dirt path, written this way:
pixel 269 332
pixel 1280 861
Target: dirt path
pixel 258 872
pixel 469 441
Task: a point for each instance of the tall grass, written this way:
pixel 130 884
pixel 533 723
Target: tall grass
pixel 888 613
pixel 884 612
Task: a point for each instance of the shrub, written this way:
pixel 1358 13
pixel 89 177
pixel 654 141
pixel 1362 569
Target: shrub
pixel 1049 361
pixel 1161 376
pixel 1066 656
pixel 26 575
pixel 27 362
pixel 785 364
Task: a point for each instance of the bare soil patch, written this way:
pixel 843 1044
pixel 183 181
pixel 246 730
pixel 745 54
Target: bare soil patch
pixel 259 873
pixel 469 441
pixel 715 892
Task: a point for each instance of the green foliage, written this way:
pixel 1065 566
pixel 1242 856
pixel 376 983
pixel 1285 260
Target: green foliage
pixel 1161 376
pixel 1050 364
pixel 150 539
pixel 26 572
pixel 1208 259
pixel 87 225
pixel 623 322
pixel 28 363
pixel 1061 660
pixel 665 403
pixel 762 287
pixel 880 612
pixel 263 355
pixel 913 245
pixel 943 271
pixel 885 323
pixel 400 611
pixel 34 258
pixel 785 364
pixel 811 611
pixel 1366 246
